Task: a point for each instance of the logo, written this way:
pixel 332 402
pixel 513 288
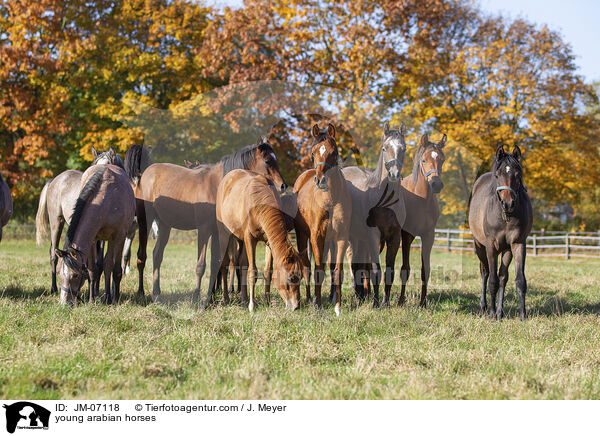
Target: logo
pixel 26 415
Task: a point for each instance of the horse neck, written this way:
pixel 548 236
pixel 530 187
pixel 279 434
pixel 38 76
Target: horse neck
pixel 86 232
pixel 422 188
pixel 335 181
pixel 273 224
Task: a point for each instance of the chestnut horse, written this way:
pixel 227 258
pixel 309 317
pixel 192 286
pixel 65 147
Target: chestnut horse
pixel 368 189
pixel 422 210
pixel 6 205
pixel 324 208
pixel 249 210
pixel 182 198
pixel 57 202
pixel 104 210
pixel 500 218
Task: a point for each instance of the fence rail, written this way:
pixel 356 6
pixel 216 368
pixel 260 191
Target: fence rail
pixel 539 244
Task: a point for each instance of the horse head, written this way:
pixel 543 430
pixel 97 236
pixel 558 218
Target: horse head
pixel 431 159
pixel 509 177
pixel 324 153
pixel 393 149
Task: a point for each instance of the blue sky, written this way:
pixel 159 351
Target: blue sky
pixel 576 20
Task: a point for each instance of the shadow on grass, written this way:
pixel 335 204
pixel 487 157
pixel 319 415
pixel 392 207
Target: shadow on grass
pixel 18 293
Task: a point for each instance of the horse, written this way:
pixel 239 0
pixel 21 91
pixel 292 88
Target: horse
pixel 500 218
pixel 368 189
pixel 249 210
pixel 137 159
pixel 6 205
pixel 182 198
pixel 420 192
pixel 57 202
pixel 324 207
pixel 104 210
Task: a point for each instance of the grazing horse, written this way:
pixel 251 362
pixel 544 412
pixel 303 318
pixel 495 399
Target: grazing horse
pixel 422 210
pixel 500 218
pixel 6 205
pixel 104 210
pixel 57 202
pixel 324 208
pixel 368 189
pixel 182 198
pixel 249 210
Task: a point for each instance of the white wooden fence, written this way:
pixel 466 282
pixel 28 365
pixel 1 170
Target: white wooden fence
pixel 539 244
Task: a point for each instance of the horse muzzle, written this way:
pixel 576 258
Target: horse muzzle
pixel 436 184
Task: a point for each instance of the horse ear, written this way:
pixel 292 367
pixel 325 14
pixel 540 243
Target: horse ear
pixel 386 128
pixel 442 143
pixel 424 140
pixel 187 163
pixel 112 152
pixel 60 253
pixel 315 130
pixel 402 129
pixel 331 130
pixel 500 153
pixel 94 152
pixel 517 153
pixel 197 163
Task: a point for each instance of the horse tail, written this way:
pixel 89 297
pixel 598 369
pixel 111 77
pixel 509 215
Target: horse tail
pixel 137 159
pixel 41 218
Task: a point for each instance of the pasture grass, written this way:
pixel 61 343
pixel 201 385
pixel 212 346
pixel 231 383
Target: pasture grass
pixel 173 350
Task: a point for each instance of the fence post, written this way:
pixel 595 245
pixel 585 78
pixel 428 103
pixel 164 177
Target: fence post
pixel 535 245
pixel 448 237
pixel 567 247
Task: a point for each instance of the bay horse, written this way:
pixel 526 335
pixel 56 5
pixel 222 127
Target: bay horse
pixel 420 192
pixel 57 202
pixel 6 205
pixel 249 210
pixel 185 199
pixel 500 218
pixel 368 189
pixel 104 210
pixel 324 208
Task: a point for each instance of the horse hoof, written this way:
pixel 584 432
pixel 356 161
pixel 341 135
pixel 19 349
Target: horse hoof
pixel 375 304
pixel 337 311
pixel 401 300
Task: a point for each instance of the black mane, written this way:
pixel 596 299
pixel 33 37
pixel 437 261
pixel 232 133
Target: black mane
pixel 243 158
pixel 84 196
pixel 137 159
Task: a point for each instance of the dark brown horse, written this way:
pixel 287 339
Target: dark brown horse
pixel 182 198
pixel 249 210
pixel 500 218
pixel 104 210
pixel 324 209
pixel 6 205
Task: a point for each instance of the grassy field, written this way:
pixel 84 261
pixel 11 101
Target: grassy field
pixel 172 350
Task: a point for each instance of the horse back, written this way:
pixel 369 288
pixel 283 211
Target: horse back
pixel 303 179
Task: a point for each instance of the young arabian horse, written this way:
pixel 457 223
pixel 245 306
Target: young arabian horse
pixel 56 205
pixel 368 189
pixel 249 210
pixel 324 207
pixel 500 218
pixel 104 210
pixel 420 192
pixel 182 198
pixel 6 205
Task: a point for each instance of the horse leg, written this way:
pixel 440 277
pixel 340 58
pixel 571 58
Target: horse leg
pixel 426 245
pixel 407 240
pixel 201 263
pixel 117 267
pixel 127 247
pixel 302 241
pixel 393 244
pixel 142 249
pixel 56 230
pixel 219 240
pixel 519 251
pixel 376 270
pixel 268 274
pixel 250 243
pixel 492 258
pixel 108 264
pixel 317 243
pixel 503 274
pixel 99 265
pixel 338 275
pixel 485 273
pixel 164 231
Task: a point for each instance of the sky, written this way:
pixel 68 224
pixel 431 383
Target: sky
pixel 576 20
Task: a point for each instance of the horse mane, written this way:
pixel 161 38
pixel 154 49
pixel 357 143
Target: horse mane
pixel 373 177
pixel 137 159
pixel 244 157
pixel 507 157
pixel 86 193
pixel 116 160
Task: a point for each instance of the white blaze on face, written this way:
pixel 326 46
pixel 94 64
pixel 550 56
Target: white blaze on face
pixel 507 169
pixel 434 154
pixel 322 150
